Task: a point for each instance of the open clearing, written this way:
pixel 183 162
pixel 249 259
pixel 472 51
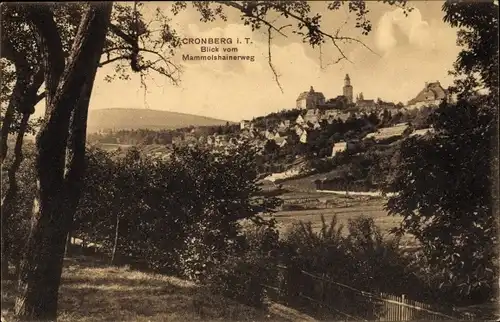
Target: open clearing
pixel 303 203
pixel 312 205
pixel 93 291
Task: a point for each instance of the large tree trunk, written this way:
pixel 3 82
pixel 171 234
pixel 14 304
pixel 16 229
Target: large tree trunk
pixel 75 160
pixel 42 266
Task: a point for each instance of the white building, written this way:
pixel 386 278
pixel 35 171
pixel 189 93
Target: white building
pixel 339 147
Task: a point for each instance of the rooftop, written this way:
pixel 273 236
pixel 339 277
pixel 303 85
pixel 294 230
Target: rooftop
pixel 388 132
pixel 311 92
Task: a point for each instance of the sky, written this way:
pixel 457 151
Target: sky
pixel 404 53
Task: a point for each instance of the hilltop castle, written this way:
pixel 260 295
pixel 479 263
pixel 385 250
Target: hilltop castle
pixel 347 90
pixel 431 95
pixel 311 99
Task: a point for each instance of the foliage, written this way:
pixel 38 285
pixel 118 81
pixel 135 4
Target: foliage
pixel 16 229
pixel 445 196
pixel 446 182
pixel 273 119
pixel 181 214
pixel 363 258
pixel 477 64
pixel 376 257
pixel 242 276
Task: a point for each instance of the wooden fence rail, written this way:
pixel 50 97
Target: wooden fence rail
pixel 349 303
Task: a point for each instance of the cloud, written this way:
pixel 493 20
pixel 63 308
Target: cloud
pixel 416 31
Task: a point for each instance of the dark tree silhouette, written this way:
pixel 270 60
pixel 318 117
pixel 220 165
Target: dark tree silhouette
pixel 447 183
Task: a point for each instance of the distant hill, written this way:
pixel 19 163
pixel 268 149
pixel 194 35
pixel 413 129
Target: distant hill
pixel 141 118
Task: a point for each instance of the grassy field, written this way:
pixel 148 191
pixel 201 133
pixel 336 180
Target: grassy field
pixel 93 291
pixel 112 146
pixel 300 206
pixel 303 203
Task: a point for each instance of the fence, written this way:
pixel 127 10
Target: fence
pixel 342 302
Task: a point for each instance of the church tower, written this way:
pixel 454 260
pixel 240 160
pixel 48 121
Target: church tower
pixel 348 93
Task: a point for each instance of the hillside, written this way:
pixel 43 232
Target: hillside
pixel 141 118
pixel 94 291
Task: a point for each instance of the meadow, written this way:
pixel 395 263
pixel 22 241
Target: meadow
pixel 302 203
pixel 91 290
pixel 310 206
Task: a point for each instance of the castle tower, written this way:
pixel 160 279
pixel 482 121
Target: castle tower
pixel 348 92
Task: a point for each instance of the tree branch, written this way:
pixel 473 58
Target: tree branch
pixel 332 38
pixel 51 46
pixel 248 13
pixel 127 38
pixel 112 60
pixel 40 97
pixel 269 58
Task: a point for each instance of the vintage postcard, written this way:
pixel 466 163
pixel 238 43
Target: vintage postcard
pixel 249 160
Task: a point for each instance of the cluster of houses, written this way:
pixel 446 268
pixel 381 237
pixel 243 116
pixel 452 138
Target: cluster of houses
pixel 431 95
pixel 248 133
pixel 319 111
pixel 392 133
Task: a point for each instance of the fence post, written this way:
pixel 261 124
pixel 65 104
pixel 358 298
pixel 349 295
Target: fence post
pixel 402 312
pixel 321 294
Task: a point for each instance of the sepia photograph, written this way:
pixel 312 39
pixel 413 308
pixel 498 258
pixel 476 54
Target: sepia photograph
pixel 249 161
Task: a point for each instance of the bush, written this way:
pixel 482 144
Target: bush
pixel 364 258
pixel 204 250
pixel 181 215
pixel 375 257
pixel 242 276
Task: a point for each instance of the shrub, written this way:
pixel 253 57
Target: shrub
pixel 364 258
pixel 375 258
pixel 181 215
pixel 242 276
pixel 204 250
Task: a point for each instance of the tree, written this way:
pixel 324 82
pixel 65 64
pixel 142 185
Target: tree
pixel 373 119
pixel 19 91
pixel 446 182
pixel 68 84
pixel 15 229
pixel 95 207
pixel 42 267
pixel 271 147
pixel 22 86
pixel 477 64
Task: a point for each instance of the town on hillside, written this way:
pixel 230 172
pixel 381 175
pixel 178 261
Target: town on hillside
pixel 316 128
